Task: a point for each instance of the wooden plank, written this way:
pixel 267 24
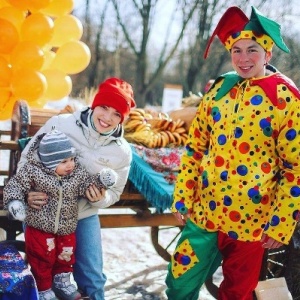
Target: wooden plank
pixel 135 220
pixel 9 145
pixel 132 196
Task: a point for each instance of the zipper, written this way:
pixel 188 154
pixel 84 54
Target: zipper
pixel 59 205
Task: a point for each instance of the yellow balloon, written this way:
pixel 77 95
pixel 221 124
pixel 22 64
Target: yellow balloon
pixel 37 28
pixel 59 85
pixel 57 8
pixel 40 103
pixel 66 28
pixel 34 5
pixel 9 36
pixel 72 57
pixel 13 15
pixel 5 72
pixel 3 3
pixel 6 104
pixel 20 4
pixel 28 84
pixel 27 55
pixel 48 59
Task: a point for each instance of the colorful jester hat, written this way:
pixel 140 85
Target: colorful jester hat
pixel 235 25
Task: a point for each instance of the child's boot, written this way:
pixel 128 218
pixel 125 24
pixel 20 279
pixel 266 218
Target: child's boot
pixel 47 295
pixel 63 288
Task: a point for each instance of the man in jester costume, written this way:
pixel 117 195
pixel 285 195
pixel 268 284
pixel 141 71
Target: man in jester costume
pixel 238 188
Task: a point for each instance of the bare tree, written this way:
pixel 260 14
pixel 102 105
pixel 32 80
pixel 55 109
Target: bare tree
pixel 123 39
pixel 143 13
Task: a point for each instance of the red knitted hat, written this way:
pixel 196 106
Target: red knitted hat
pixel 116 93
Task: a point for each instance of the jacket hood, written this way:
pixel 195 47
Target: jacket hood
pixel 83 120
pixel 32 154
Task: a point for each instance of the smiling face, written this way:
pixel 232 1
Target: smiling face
pixel 249 59
pixel 106 118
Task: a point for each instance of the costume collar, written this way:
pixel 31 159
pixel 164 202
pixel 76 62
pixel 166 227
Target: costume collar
pixel 268 84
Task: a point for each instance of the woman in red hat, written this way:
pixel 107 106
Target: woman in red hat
pixel 97 134
pixel 238 188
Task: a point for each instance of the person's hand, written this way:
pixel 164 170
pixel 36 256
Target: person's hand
pixel 94 194
pixel 37 199
pixel 269 243
pixel 181 218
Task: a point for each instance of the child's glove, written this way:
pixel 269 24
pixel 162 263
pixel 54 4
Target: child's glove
pixel 16 210
pixel 108 177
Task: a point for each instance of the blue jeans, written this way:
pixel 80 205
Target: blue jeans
pixel 88 268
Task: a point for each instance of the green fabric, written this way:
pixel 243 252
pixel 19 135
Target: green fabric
pixel 204 244
pixel 23 142
pixel 230 80
pixel 262 24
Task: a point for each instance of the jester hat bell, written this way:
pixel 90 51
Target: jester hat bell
pixel 235 25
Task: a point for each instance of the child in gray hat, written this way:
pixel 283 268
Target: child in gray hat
pixel 52 167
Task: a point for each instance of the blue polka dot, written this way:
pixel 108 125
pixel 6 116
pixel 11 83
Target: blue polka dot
pixel 217 117
pixel 236 34
pixel 252 192
pixel 224 175
pixel 264 123
pixel 227 201
pixel 179 205
pixel 291 134
pixel 296 214
pixel 233 235
pixel 204 183
pixel 212 205
pixel 242 170
pixel 185 260
pixel 222 139
pixel 295 191
pixel 275 221
pixel 238 132
pixel 256 100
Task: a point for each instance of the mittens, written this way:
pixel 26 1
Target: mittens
pixel 108 177
pixel 16 210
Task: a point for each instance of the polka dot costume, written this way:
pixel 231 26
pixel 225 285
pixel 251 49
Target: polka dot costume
pixel 240 173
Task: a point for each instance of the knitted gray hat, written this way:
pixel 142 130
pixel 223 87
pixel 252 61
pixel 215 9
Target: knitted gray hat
pixel 54 147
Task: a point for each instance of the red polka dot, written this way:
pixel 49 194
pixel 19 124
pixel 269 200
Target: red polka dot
pixel 264 199
pixel 234 216
pixel 256 232
pixel 219 161
pixel 190 184
pixel 244 147
pixel 266 167
pixel 281 104
pixel 233 93
pixel 197 133
pixel 210 225
pixel 289 176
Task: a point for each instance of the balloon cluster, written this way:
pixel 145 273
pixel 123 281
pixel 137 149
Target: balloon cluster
pixel 40 48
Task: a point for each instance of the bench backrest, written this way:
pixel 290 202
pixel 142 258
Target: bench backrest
pixel 25 122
